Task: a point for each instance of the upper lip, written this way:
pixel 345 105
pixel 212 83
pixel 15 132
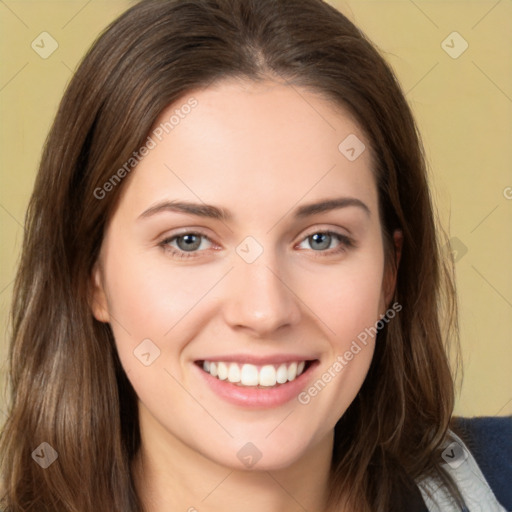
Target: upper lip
pixel 259 360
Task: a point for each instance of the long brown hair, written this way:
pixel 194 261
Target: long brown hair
pixel 68 388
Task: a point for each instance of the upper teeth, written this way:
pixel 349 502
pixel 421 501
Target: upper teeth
pixel 252 375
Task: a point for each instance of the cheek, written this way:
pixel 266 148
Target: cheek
pixel 155 311
pixel 150 300
pixel 342 372
pixel 348 301
pixel 150 296
pixel 347 298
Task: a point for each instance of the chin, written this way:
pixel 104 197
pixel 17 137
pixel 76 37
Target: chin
pixel 261 454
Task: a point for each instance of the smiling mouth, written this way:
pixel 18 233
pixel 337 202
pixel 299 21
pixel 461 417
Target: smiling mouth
pixel 255 376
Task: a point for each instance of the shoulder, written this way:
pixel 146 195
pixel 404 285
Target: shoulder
pixel 489 440
pixel 477 455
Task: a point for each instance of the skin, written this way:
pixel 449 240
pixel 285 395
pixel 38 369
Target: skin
pixel 259 150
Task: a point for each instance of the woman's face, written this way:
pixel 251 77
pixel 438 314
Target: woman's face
pixel 223 281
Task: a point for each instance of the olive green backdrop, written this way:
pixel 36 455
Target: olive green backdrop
pixel 454 60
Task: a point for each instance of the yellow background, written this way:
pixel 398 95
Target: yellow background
pixel 463 107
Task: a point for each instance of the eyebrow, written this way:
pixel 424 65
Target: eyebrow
pixel 215 212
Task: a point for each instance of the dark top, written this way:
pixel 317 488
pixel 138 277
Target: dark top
pixel 489 439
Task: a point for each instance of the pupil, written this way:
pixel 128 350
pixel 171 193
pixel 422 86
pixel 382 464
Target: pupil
pixel 317 238
pixel 191 242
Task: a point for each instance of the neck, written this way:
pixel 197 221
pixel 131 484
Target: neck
pixel 170 476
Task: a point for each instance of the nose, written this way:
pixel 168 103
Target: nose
pixel 260 299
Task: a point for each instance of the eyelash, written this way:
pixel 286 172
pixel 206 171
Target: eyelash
pixel 345 243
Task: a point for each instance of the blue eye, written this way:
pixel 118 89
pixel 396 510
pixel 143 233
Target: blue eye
pixel 190 245
pixel 190 242
pixel 322 240
pixel 186 246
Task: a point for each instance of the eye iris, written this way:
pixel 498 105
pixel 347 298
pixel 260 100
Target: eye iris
pixel 192 242
pixel 324 239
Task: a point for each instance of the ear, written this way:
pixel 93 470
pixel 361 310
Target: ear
pixel 391 272
pixel 98 297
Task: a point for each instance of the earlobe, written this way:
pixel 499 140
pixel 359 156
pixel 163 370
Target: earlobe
pixel 98 298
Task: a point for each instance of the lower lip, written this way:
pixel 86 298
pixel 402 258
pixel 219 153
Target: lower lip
pixel 252 397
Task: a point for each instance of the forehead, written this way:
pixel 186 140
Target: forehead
pixel 256 144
